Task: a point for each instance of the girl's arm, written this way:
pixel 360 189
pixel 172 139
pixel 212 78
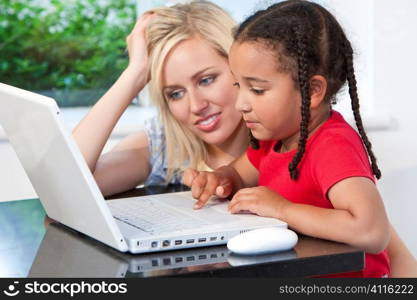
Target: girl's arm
pixel 127 164
pixel 223 182
pixel 358 217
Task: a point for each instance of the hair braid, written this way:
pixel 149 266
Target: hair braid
pixel 305 103
pixel 348 52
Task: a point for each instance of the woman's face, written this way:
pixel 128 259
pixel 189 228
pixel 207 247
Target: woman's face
pixel 198 87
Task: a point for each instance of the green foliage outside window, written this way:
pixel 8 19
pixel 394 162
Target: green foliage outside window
pixel 71 50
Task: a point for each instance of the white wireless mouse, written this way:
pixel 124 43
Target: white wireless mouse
pixel 263 240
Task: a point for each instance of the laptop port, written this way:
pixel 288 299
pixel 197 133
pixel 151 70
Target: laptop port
pixel 213 238
pixel 190 241
pixel 203 256
pixel 178 259
pixel 154 244
pixel 166 261
pixel 190 258
pixel 178 242
pixel 201 240
pixel 165 243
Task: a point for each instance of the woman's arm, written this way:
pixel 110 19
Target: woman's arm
pixel 402 261
pixel 127 164
pixel 92 133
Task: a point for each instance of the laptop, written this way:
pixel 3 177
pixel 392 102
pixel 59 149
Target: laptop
pixel 70 195
pixel 65 253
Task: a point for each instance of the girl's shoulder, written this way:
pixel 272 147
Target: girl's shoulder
pixel 337 152
pixel 336 131
pixel 338 142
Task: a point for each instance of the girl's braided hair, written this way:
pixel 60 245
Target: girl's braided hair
pixel 307 40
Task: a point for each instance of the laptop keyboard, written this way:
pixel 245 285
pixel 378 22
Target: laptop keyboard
pixel 150 216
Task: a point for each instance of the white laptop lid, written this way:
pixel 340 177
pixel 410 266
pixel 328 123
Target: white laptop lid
pixel 32 124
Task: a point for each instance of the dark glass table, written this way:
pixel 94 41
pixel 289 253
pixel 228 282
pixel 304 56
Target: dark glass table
pixel 31 246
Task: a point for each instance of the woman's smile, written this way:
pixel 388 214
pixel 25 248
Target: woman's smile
pixel 208 123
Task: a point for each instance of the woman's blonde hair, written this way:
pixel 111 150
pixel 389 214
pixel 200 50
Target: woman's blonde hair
pixel 171 26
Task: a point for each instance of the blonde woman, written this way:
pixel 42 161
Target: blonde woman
pixel 182 52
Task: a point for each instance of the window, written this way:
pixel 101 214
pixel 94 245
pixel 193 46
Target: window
pixel 74 50
pixel 70 50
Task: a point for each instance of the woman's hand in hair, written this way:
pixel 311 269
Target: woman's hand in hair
pixel 206 184
pixel 136 45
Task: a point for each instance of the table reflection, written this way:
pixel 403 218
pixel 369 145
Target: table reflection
pixel 67 253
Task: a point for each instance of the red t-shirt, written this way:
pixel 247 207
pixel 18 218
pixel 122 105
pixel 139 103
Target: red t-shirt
pixel 334 152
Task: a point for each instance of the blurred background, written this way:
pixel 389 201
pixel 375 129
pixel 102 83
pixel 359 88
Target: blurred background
pixel 74 50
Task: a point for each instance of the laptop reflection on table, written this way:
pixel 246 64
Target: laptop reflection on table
pixel 67 253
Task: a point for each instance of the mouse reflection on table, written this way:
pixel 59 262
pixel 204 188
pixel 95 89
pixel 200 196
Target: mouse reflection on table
pixel 242 260
pixel 263 241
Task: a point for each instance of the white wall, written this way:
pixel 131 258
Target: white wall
pixel 395 65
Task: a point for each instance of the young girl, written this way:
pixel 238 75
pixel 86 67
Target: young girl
pixel 312 168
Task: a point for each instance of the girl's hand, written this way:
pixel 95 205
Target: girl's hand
pixel 206 184
pixel 136 45
pixel 259 200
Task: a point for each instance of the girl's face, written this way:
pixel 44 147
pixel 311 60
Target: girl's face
pixel 197 85
pixel 267 98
